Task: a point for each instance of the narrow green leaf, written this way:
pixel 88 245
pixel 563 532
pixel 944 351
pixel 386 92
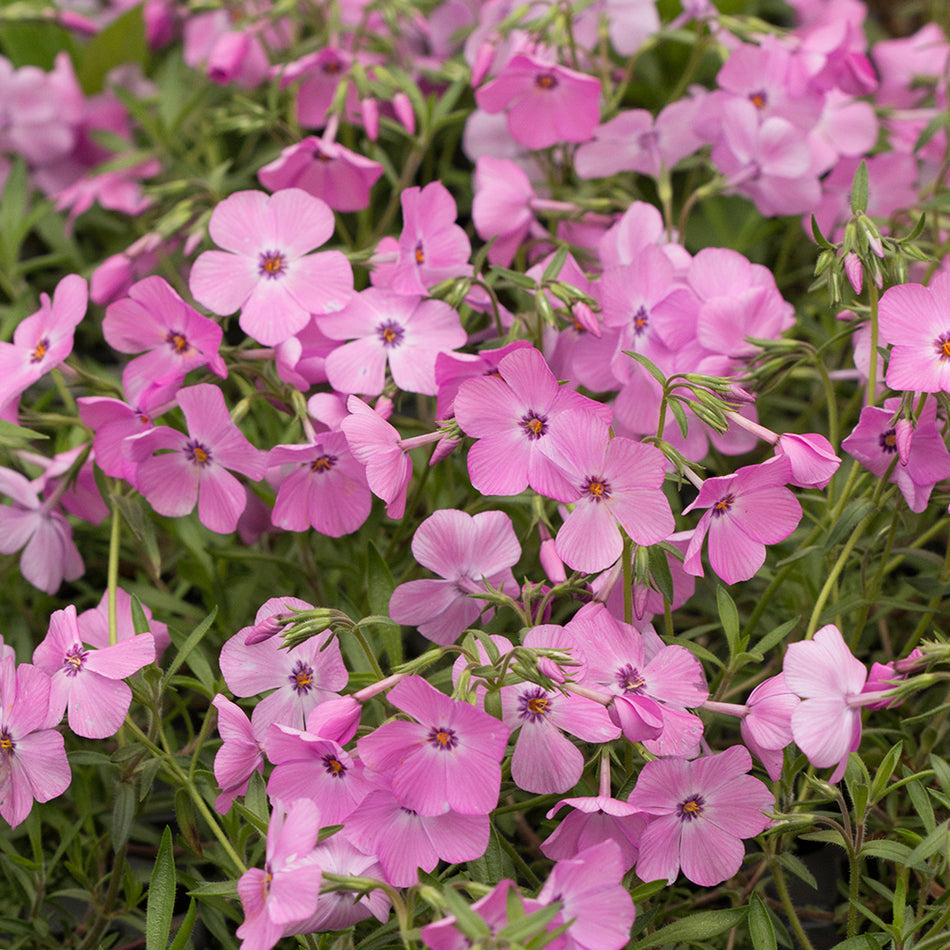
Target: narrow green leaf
pixel 862 942
pixel 123 811
pixel 161 896
pixel 700 926
pixel 555 264
pixel 186 927
pixel 852 514
pixel 215 889
pixel 760 925
pixel 884 771
pixel 17 437
pixel 937 840
pixel 650 367
pixel 122 41
pixel 379 589
pixel 886 850
pixel 795 866
pixel 776 636
pixel 194 638
pixel 679 414
pixel 660 571
pixel 921 803
pixel 140 622
pixel 729 616
pixel 820 239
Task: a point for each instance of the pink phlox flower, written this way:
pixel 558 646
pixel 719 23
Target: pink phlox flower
pixel 300 678
pixel 94 623
pixel 616 483
pixel 466 551
pixel 703 809
pixel 340 910
pixel 241 753
pixel 739 300
pixel 634 141
pixel 502 208
pixel 301 359
pixel 476 686
pixel 811 456
pixel 830 681
pixel 494 910
pixel 544 760
pixel 50 555
pixel 286 890
pixel 178 339
pixel 847 127
pixel 432 247
pixel 452 369
pixel 768 160
pixel 640 226
pixel 43 340
pixel 450 758
pixel 650 693
pixel 340 177
pixel 593 820
pixel 196 467
pixel 766 728
pixel 545 103
pixel 908 66
pixel 748 510
pixel 33 764
pixel 266 269
pixel 86 682
pixel 630 23
pixel 113 421
pixel 323 487
pixel 405 333
pixel 378 446
pixel 307 765
pixel 923 459
pixel 913 318
pixel 322 72
pixel 513 415
pixel 404 841
pixel 589 888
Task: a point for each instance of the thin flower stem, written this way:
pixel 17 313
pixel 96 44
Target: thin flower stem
pixel 778 877
pixel 627 579
pixel 872 368
pixel 113 573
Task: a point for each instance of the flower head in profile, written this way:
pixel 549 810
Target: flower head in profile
pixel 267 270
pixel 702 810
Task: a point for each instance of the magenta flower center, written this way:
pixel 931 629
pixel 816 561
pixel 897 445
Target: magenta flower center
pixel 534 704
pixel 630 679
pixel 443 738
pixel 942 346
pixel 546 81
pixel 178 341
pixel 888 442
pixel 334 766
pixel 271 264
pixel 420 254
pixel 692 808
pixel 390 333
pixel 597 489
pixel 534 425
pixel 7 745
pixel 723 505
pixel 266 881
pixel 641 320
pixel 40 351
pixel 759 99
pixel 197 454
pixel 74 659
pixel 323 463
pixel 301 678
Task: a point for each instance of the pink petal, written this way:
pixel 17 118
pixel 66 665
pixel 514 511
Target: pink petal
pixel 708 855
pixel 97 705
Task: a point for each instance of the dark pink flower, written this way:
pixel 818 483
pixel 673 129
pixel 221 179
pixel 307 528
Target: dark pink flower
pixel 703 809
pixel 33 764
pixel 266 269
pixel 241 752
pixel 94 623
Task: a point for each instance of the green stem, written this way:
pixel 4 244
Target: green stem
pixel 368 650
pixel 520 862
pixel 778 877
pixel 95 932
pixel 112 576
pixel 872 368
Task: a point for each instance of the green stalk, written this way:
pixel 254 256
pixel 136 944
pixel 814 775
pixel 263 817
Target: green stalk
pixel 872 369
pixel 779 879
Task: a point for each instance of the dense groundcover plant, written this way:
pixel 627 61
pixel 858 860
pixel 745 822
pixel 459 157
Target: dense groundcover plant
pixel 474 474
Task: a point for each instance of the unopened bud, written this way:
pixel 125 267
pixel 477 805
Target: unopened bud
pixel 369 110
pixel 484 57
pixel 854 271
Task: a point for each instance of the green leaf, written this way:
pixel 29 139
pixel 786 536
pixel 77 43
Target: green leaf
pixel 795 866
pixel 651 368
pixel 886 850
pixel 215 889
pixel 884 771
pixel 859 189
pixel 123 811
pixel 122 41
pixel 17 437
pixel 555 264
pixel 921 803
pixel 729 616
pixel 161 896
pixel 760 925
pixel 194 638
pixel 937 840
pixel 185 928
pixel 852 514
pixel 140 622
pixel 820 239
pixel 679 414
pixel 699 926
pixel 468 921
pixel 379 589
pixel 660 571
pixel 862 942
pixel 776 636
